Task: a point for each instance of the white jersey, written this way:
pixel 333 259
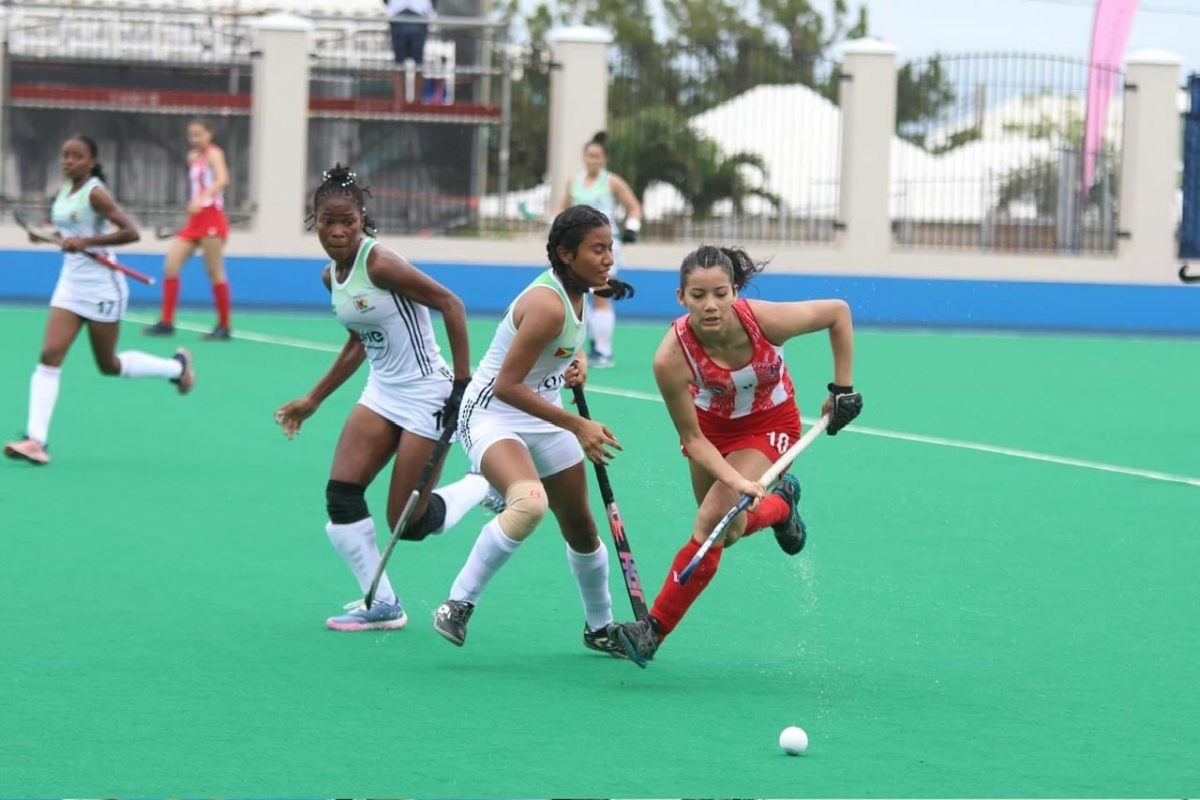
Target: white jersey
pixel 546 376
pixel 72 215
pixel 396 332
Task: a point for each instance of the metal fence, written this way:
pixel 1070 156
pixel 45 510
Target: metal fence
pixel 991 156
pixel 416 133
pixel 131 80
pixel 728 143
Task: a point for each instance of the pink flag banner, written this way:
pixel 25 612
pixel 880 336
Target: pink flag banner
pixel 1110 35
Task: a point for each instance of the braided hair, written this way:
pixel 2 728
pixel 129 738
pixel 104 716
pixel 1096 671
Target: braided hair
pixel 340 181
pixel 733 260
pixel 568 232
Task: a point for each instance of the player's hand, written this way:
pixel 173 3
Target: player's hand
pixel 752 488
pixel 74 244
pixel 629 236
pixel 194 207
pixel 576 374
pixel 292 415
pixel 595 438
pixel 842 406
pixel 454 401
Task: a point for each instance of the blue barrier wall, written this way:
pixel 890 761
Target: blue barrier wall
pixel 30 275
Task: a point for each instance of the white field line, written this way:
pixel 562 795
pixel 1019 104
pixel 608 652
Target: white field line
pixel 632 394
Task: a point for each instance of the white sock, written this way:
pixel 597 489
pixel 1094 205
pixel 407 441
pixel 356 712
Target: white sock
pixel 461 496
pixel 602 322
pixel 356 544
pixel 43 394
pixel 492 549
pixel 591 573
pixel 136 364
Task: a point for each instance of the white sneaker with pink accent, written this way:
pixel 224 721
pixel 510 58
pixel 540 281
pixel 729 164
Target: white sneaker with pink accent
pixel 29 449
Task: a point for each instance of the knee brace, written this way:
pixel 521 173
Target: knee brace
pixel 430 522
pixel 527 504
pixel 345 502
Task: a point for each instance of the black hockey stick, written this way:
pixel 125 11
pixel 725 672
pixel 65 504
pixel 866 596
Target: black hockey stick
pixel 1185 277
pixel 637 598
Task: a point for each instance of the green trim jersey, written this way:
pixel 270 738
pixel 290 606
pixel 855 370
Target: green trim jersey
pixel 546 376
pixel 72 215
pixel 599 195
pixel 396 332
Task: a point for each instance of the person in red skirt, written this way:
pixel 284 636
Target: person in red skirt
pixel 206 228
pixel 722 374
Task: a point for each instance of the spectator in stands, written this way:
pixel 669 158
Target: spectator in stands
pixel 408 41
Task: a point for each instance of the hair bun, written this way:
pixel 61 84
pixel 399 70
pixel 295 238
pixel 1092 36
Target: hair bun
pixel 601 138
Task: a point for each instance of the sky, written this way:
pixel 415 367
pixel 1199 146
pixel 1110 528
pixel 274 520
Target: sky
pixel 920 28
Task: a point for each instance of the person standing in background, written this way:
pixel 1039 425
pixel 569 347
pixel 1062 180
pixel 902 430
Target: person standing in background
pixel 408 41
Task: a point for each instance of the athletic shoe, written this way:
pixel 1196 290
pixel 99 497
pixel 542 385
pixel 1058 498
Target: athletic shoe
pixel 638 639
pixel 28 449
pixel 601 362
pixel 187 378
pixel 791 534
pixel 450 620
pixel 603 640
pixel 218 334
pixel 159 328
pixel 379 617
pixel 493 501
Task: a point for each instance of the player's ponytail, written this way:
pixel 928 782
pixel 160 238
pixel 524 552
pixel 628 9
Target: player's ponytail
pixel 340 181
pixel 733 260
pixel 568 231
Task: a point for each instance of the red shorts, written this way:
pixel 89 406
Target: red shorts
pixel 769 432
pixel 205 224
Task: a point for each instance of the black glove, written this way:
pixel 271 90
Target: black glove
pixel 629 236
pixel 450 408
pixel 847 404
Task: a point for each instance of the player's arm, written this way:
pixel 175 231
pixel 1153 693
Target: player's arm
pixel 539 317
pixel 782 321
pixel 674 376
pixel 216 160
pixel 633 209
pixel 388 270
pixel 292 415
pixel 124 231
pixel 566 200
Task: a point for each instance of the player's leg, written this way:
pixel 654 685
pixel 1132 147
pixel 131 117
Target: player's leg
pixel 135 363
pixel 507 465
pixel 367 441
pixel 61 329
pixel 213 249
pixel 177 255
pixel 602 322
pixel 566 484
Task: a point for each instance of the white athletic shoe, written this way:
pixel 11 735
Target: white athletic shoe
pixel 379 617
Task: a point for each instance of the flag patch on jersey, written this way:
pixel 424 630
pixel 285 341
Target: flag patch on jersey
pixel 564 352
pixel 362 304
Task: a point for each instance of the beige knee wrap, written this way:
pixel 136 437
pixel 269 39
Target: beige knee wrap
pixel 527 504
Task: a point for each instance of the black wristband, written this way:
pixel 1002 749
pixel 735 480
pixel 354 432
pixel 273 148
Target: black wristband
pixel 835 389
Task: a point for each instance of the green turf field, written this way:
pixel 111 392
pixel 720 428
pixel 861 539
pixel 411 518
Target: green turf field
pixel 962 623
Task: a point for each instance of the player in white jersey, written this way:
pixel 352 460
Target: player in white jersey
pixel 206 228
pixel 87 294
pixel 515 429
pixel 384 302
pixel 595 186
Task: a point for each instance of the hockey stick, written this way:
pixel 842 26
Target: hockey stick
pixel 165 232
pixel 1185 277
pixel 41 235
pixel 769 477
pixel 637 598
pixel 439 452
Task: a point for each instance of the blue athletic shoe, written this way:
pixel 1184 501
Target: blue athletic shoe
pixel 791 534
pixel 379 617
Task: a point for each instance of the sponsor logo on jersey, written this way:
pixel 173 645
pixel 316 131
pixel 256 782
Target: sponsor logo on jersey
pixel 362 304
pixel 564 352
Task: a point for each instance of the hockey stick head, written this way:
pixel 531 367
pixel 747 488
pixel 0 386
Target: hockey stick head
pixel 38 233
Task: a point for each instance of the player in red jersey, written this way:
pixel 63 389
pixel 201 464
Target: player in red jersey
pixel 721 371
pixel 206 228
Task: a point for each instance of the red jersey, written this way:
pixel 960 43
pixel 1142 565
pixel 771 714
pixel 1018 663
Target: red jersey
pixel 200 176
pixel 760 385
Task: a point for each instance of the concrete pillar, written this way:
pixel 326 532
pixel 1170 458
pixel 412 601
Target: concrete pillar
pixel 578 101
pixel 1149 162
pixel 868 103
pixel 279 127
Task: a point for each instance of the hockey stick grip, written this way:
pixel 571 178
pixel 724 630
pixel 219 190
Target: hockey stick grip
pixel 606 492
